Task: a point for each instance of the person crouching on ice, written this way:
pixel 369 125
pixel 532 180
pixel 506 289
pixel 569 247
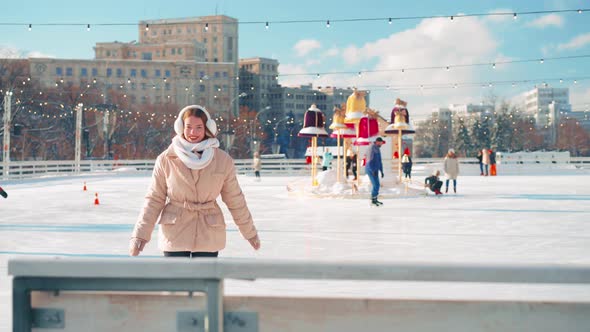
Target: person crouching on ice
pixel 434 183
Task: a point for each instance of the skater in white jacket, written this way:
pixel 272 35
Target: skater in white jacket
pixel 451 168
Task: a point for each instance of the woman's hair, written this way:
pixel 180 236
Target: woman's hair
pixel 199 114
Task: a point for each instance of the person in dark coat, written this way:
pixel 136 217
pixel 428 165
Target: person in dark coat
pixel 373 167
pixel 434 183
pixel 493 170
pixel 407 166
pixel 3 193
pixel 480 159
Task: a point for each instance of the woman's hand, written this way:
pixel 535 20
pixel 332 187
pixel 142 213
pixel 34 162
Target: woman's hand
pixel 136 246
pixel 255 242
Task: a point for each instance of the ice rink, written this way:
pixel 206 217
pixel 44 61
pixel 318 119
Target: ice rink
pixel 542 218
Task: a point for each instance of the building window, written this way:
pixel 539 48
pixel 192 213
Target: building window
pixel 167 73
pixel 167 87
pixel 180 51
pixel 157 54
pixel 158 73
pixel 59 71
pixel 216 74
pixel 69 71
pixel 84 72
pixel 224 74
pixel 94 72
pixel 173 51
pixel 201 74
pixel 133 86
pixel 202 88
pixel 109 72
pixel 146 55
pixel 163 53
pixel 119 72
pixel 143 86
pixel 144 73
pixel 108 53
pixel 133 73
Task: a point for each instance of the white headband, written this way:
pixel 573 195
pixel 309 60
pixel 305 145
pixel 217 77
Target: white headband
pixel 179 123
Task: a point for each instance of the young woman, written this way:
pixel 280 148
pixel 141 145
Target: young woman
pixel 187 179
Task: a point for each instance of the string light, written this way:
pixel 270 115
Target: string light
pixel 88 27
pixel 541 61
pixel 266 26
pixel 515 16
pixel 327 23
pixel 147 27
pixel 448 67
pixel 352 19
pixel 30 27
pixel 494 66
pixel 390 20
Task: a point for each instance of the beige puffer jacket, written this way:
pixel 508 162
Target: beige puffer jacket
pixel 183 202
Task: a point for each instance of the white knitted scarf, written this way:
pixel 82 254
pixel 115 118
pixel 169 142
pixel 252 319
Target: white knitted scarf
pixel 187 152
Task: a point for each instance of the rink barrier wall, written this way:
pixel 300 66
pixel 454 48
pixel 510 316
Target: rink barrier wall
pixel 278 167
pixel 63 289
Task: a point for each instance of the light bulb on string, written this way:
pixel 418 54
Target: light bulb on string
pixel 266 26
pixel 88 27
pixel 147 27
pixel 390 21
pixel 327 23
pixel 579 11
pixel 494 66
pixel 206 26
pixel 30 27
pixel 541 61
pixel 452 18
pixel 360 74
pixel 515 16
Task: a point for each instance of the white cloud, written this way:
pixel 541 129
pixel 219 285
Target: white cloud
pixel 334 51
pixel 547 20
pixel 500 18
pixel 9 52
pixel 576 42
pixel 580 97
pixel 304 46
pixel 433 42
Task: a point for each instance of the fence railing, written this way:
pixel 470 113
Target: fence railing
pixel 207 275
pixel 282 167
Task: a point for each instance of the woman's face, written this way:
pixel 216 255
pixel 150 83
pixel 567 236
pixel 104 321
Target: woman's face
pixel 194 129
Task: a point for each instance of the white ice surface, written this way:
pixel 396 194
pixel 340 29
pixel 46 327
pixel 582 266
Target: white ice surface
pixel 543 218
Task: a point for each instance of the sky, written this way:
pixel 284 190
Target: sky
pixel 313 48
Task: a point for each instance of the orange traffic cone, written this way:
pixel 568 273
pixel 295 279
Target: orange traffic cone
pixel 96 202
pixel 84 186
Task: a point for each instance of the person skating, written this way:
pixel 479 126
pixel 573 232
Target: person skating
pixel 485 160
pixel 451 168
pixel 407 164
pixel 480 160
pixel 256 165
pixel 373 167
pixel 493 171
pixel 187 179
pixel 434 183
pixel 3 193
